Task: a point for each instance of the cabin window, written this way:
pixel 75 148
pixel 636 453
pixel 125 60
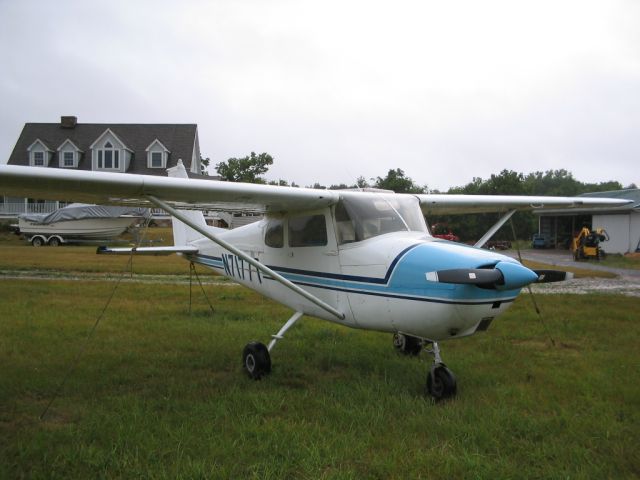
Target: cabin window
pixel 274 234
pixel 361 216
pixel 307 231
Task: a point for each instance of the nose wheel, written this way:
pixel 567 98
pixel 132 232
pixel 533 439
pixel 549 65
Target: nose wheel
pixel 441 382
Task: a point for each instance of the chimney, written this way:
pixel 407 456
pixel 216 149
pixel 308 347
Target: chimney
pixel 68 122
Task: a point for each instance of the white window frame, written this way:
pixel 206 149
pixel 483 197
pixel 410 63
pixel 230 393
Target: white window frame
pixel 64 159
pixel 115 156
pixel 35 161
pixel 151 159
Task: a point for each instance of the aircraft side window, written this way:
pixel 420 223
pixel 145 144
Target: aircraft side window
pixel 345 227
pixel 274 234
pixel 307 231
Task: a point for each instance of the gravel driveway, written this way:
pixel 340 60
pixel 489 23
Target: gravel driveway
pixel 626 283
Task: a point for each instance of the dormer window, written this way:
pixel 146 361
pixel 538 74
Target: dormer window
pixel 108 157
pixel 68 155
pixel 68 159
pixel 157 155
pixel 110 153
pixel 38 159
pixel 39 154
pixel 156 160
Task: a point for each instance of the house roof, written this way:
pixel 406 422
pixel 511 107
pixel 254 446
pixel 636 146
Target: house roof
pixel 179 139
pixel 632 194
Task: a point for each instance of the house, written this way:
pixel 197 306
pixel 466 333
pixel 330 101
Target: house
pixel 147 149
pixel 621 223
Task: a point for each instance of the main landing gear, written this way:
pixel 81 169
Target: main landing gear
pixel 255 356
pixel 441 382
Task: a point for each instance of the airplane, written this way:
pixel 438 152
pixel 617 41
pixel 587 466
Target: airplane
pixel 362 259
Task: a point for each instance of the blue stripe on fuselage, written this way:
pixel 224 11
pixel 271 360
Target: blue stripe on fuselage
pixel 405 277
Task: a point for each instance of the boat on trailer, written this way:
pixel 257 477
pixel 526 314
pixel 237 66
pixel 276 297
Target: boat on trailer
pixel 78 222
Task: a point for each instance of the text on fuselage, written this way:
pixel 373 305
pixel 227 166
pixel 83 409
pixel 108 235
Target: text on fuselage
pixel 236 267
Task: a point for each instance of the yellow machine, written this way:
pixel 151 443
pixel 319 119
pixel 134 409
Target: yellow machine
pixel 587 244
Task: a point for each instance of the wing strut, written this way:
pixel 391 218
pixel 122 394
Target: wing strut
pixel 263 268
pixel 485 238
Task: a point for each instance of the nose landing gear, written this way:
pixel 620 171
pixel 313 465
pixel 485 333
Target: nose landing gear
pixel 441 382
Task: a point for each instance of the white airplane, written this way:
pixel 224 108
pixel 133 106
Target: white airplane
pixel 358 258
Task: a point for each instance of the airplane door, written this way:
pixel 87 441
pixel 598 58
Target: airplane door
pixel 312 256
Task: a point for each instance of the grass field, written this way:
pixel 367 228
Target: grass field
pixel 631 261
pixel 160 393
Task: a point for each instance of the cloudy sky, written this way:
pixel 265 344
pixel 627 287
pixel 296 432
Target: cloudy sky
pixel 333 90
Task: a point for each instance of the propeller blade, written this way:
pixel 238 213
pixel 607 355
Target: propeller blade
pixel 548 276
pixel 467 276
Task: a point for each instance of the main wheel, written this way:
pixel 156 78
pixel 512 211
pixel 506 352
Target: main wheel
pixel 256 360
pixel 407 344
pixel 441 383
pixel 37 241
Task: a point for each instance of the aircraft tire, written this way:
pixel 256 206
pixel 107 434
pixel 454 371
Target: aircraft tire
pixel 441 383
pixel 256 360
pixel 406 344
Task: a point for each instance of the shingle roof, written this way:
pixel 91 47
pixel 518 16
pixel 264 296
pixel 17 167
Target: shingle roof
pixel 632 194
pixel 628 194
pixel 179 139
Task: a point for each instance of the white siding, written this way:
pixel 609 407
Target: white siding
pixel 618 228
pixel 634 229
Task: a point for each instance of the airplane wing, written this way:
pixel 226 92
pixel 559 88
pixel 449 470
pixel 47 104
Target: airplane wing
pixel 116 188
pixel 131 189
pixel 443 204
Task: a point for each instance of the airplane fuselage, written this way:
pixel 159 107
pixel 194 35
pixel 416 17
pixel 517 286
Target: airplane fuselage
pixel 379 283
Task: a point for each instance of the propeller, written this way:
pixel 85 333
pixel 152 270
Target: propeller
pixel 467 276
pixel 549 276
pixel 503 276
pixel 518 276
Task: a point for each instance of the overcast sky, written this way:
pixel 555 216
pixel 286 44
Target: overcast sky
pixel 446 90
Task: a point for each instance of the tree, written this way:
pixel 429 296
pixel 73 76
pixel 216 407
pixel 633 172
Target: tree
pixel 361 182
pixel 246 169
pixel 280 182
pixel 204 165
pixel 397 181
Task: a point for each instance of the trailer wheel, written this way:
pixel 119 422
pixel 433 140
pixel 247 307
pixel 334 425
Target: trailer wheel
pixel 37 241
pixel 54 242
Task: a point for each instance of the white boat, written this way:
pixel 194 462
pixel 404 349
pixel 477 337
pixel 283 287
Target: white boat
pixel 81 221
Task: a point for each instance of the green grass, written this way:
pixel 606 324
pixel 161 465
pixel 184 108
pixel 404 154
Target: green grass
pixel 161 394
pixel 16 254
pixel 631 261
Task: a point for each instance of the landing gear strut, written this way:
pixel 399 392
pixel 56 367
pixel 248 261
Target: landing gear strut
pixel 256 360
pixel 441 382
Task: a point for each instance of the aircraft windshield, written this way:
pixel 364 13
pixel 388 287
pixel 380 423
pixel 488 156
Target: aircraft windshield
pixel 359 217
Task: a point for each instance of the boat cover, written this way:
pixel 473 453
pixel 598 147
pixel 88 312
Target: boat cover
pixel 79 211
